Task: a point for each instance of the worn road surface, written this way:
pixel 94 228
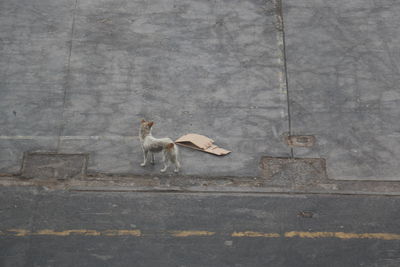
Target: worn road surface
pixel 60 228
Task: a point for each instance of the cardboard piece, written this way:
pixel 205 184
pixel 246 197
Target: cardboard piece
pixel 202 143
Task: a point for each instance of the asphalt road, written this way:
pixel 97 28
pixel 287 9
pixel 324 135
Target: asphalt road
pixel 59 228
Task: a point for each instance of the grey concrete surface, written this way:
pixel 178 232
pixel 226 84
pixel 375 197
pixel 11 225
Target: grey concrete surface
pixel 34 49
pixel 343 71
pixel 77 76
pixel 157 214
pixel 12 151
pixel 213 68
pixel 53 166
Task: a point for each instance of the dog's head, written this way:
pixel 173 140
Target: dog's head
pixel 145 127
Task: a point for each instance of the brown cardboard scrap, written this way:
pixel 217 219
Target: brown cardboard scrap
pixel 202 143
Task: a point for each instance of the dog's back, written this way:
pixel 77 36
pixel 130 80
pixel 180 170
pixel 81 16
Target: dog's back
pixel 156 145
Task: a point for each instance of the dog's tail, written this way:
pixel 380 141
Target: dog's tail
pixel 170 146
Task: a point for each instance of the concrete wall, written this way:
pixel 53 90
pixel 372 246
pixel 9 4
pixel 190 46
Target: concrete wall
pixel 81 75
pixel 343 68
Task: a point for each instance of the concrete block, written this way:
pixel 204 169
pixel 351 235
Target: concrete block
pixel 293 172
pixel 54 166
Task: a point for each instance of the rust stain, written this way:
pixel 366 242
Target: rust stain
pixel 300 140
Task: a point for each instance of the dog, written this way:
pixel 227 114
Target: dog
pixel 151 145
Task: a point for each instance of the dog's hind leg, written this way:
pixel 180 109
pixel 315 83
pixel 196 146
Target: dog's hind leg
pixel 177 166
pixel 166 163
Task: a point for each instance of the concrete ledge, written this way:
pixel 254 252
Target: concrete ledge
pixel 278 175
pixel 191 184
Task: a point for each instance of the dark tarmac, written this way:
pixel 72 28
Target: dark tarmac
pixel 58 228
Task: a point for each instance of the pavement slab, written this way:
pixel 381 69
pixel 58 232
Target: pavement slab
pixel 343 73
pixel 77 76
pixel 34 50
pixel 212 68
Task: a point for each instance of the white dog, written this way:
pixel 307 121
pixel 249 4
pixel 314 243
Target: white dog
pixel 152 145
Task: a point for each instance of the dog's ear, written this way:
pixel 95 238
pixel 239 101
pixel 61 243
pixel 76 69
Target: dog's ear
pixel 151 124
pixel 143 121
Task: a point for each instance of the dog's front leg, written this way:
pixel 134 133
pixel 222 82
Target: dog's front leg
pixel 145 155
pixel 152 159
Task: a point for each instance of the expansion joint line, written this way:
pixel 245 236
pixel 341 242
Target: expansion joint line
pixel 67 77
pixel 280 27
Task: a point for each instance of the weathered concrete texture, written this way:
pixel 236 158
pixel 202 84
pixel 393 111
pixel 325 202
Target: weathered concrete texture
pixel 12 151
pixel 211 68
pixel 293 172
pixel 343 72
pixel 34 49
pixel 54 166
pixel 34 52
pixel 79 69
